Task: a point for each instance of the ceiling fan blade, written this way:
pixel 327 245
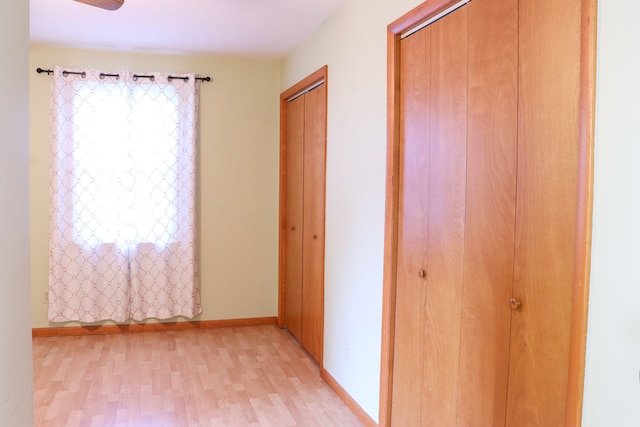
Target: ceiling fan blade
pixel 104 4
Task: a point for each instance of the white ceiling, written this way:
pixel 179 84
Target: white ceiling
pixel 257 28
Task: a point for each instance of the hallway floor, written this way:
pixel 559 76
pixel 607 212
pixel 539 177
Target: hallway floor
pixel 247 376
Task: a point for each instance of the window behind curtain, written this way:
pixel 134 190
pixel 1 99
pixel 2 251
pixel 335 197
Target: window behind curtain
pixel 125 158
pixel 123 167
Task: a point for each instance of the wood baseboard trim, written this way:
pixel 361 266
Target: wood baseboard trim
pixel 346 398
pixel 150 327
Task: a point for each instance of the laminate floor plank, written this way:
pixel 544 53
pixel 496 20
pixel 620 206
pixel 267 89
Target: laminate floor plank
pixel 245 376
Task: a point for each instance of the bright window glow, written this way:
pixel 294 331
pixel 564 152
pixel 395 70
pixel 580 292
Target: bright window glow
pixel 125 164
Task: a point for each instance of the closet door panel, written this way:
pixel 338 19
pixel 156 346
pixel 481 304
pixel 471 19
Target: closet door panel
pixel 313 213
pixel 443 309
pixel 490 213
pixel 546 211
pixel 293 216
pixel 415 134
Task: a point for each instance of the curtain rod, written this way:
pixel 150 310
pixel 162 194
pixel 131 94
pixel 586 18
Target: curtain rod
pixel 135 76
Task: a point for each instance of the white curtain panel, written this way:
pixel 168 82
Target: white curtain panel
pixel 122 235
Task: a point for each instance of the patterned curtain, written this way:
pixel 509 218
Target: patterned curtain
pixel 122 210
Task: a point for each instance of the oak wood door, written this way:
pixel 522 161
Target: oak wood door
pixel 313 214
pixel 413 206
pixel 545 256
pixel 490 215
pixel 293 212
pixel 528 160
pixel 302 209
pixel 431 224
pixel 487 212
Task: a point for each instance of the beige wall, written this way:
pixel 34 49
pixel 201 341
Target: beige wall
pixel 353 44
pixel 612 391
pixel 16 389
pixel 238 177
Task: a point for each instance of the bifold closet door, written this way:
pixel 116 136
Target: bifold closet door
pixel 491 208
pixel 548 141
pixel 431 224
pixel 457 218
pixel 305 136
pixel 411 290
pixel 293 228
pixel 482 230
pixel 313 214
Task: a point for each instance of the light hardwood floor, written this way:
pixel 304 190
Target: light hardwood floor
pixel 247 376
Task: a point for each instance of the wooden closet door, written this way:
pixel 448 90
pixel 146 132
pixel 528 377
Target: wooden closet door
pixel 525 215
pixel 294 134
pixel 447 199
pixel 413 220
pixel 490 214
pixel 303 110
pixel 431 223
pixel 548 138
pixel 313 214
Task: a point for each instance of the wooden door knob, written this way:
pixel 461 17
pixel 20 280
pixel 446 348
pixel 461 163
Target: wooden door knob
pixel 315 236
pixel 293 228
pixel 422 274
pixel 515 304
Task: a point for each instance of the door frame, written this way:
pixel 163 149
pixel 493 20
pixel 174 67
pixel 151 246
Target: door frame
pixel 419 15
pixel 310 82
